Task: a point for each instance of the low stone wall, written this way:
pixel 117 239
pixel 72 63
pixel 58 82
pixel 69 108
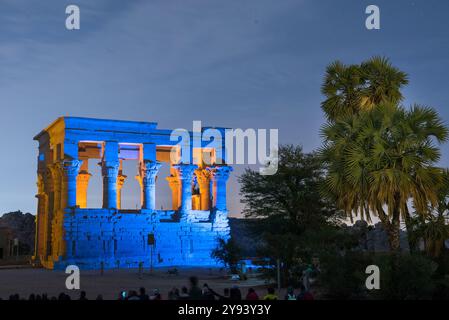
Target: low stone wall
pixel 100 238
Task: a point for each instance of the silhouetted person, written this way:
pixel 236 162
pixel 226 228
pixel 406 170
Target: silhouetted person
pixel 62 296
pixel 143 295
pixel 271 294
pixel 173 294
pixel 32 297
pixel 122 295
pixel 305 294
pixel 290 294
pixel 133 295
pixel 156 295
pixel 235 293
pixel 252 295
pixel 207 293
pixel 195 291
pixel 83 296
pixel 99 297
pixel 226 295
pixel 184 294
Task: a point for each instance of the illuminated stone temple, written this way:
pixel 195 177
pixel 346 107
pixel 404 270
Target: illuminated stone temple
pixel 68 232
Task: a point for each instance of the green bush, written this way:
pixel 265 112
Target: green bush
pixel 401 278
pixel 408 278
pixel 343 275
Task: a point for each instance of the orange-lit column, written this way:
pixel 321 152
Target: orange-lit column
pixel 139 180
pixel 82 184
pixel 120 182
pixel 175 186
pixel 185 173
pixel 203 178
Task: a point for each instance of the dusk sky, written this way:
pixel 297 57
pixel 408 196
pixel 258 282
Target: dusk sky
pixel 238 64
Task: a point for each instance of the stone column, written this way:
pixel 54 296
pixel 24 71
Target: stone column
pixel 55 170
pixel 220 175
pixel 139 180
pixel 50 185
pixel 120 182
pixel 82 185
pixel 203 178
pixel 186 172
pixel 71 169
pixel 41 211
pixel 110 174
pixel 174 184
pixel 149 169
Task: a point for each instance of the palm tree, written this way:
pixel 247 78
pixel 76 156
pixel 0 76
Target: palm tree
pixel 432 228
pixel 435 232
pixel 381 159
pixel 382 82
pixel 341 87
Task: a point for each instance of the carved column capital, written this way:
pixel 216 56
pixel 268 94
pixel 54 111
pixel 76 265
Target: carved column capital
pixel 220 173
pixel 55 171
pixel 109 169
pixel 71 167
pixel 149 170
pixel 173 181
pixel 84 176
pixel 203 176
pixel 121 180
pixel 185 171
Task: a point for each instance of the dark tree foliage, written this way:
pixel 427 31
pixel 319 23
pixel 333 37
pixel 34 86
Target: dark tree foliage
pixel 228 253
pixel 297 223
pixel 291 197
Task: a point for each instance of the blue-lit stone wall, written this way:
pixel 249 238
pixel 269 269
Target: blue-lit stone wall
pixel 97 238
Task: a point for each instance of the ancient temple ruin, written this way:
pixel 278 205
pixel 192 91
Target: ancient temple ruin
pixel 68 232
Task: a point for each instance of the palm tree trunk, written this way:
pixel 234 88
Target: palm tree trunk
pixel 409 227
pixel 392 228
pixel 394 240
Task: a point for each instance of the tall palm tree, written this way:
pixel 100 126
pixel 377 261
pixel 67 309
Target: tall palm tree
pixel 433 228
pixel 382 82
pixel 383 158
pixel 435 232
pixel 350 89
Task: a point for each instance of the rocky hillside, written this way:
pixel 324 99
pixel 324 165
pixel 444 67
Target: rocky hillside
pixel 23 227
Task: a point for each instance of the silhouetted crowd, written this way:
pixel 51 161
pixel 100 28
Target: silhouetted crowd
pixel 194 292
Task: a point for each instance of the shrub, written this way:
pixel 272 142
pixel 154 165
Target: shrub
pixel 408 277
